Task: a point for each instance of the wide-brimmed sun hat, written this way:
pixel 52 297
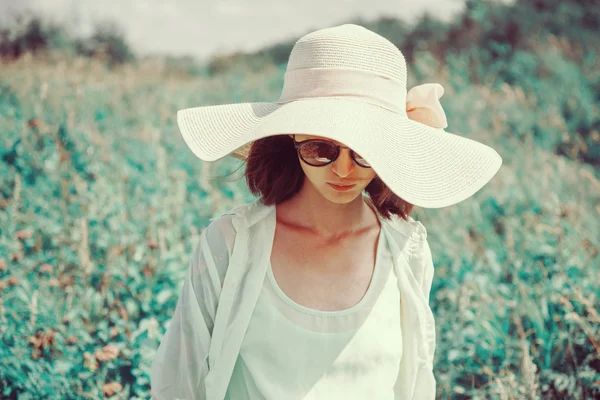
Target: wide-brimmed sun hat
pixel 348 84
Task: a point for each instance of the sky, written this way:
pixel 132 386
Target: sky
pixel 203 28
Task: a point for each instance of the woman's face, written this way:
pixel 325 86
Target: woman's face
pixel 342 171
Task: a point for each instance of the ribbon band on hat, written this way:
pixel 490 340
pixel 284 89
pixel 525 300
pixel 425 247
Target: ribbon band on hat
pixel 420 104
pixel 310 83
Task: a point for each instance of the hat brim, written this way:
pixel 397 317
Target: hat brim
pixel 425 166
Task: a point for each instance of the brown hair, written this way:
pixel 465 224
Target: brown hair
pixel 273 172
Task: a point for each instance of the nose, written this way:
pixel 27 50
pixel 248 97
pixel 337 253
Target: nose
pixel 343 165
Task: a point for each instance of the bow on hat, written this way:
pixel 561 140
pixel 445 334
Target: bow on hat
pixel 423 105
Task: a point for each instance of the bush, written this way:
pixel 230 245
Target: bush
pixel 107 42
pixel 33 34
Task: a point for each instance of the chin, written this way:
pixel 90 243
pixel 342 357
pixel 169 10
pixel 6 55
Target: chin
pixel 341 201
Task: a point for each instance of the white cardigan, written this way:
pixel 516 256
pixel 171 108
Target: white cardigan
pixel 198 352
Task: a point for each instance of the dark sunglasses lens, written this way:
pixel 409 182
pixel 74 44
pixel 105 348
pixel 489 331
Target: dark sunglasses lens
pixel 318 153
pixel 361 161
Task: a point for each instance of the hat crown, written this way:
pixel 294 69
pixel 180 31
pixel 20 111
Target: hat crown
pixel 348 46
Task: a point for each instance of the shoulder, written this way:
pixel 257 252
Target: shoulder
pixel 221 230
pixel 227 225
pixel 409 228
pixel 227 221
pixel 246 215
pixel 221 223
pixel 419 232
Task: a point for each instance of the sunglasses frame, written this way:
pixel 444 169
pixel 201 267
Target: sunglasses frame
pixel 297 145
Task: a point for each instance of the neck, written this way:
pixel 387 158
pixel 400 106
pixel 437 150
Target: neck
pixel 310 212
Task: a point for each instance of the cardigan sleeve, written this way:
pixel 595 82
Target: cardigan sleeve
pixel 428 268
pixel 180 365
pixel 423 269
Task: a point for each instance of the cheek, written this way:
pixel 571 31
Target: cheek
pixel 314 174
pixel 368 177
pixel 308 171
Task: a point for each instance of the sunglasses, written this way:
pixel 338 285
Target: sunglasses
pixel 318 153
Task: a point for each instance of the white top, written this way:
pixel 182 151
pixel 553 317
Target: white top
pixel 294 352
pixel 225 279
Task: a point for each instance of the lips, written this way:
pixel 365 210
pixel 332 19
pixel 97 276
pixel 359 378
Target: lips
pixel 341 188
pixel 342 184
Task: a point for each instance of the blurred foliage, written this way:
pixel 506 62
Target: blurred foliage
pixel 101 204
pixel 108 41
pixel 33 34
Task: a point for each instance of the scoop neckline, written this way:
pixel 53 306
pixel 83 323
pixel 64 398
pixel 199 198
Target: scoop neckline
pixel 351 310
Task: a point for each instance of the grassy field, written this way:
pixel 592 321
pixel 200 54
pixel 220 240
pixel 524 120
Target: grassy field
pixel 101 203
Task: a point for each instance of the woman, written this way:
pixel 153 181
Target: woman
pixel 320 288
